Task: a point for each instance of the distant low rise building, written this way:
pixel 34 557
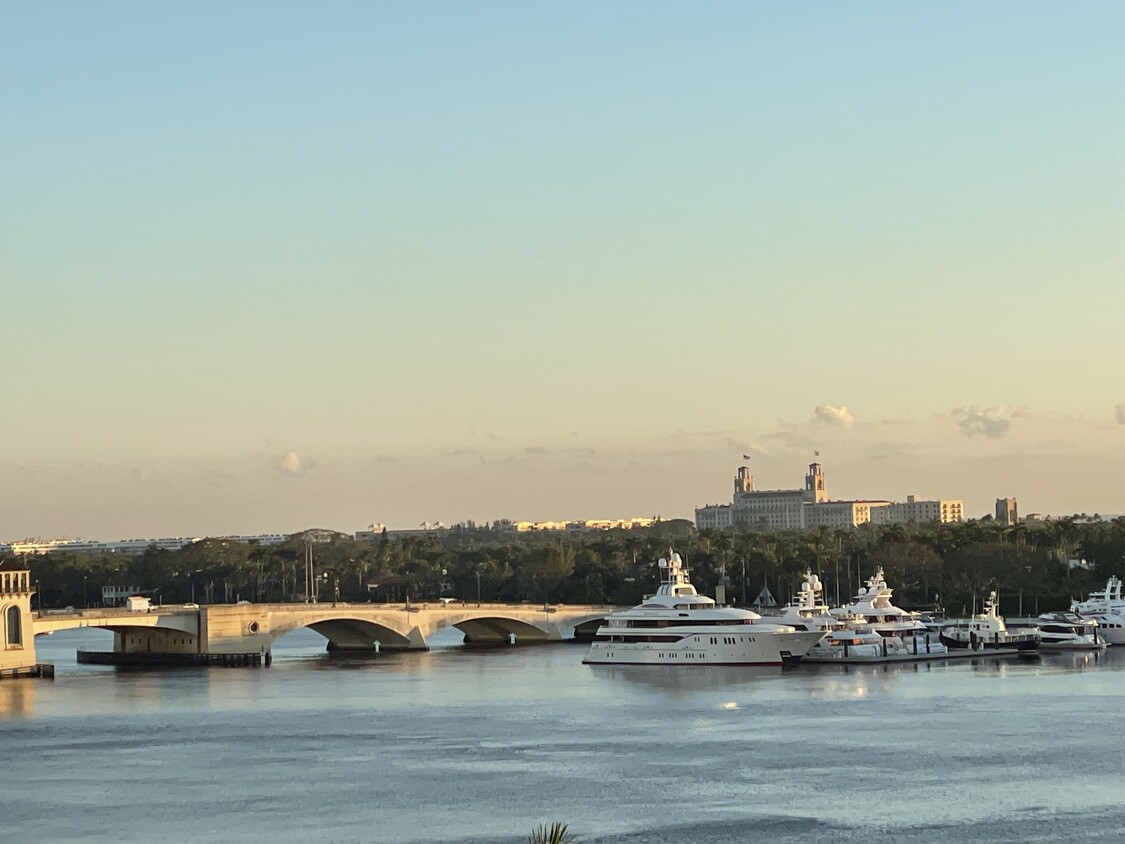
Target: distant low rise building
pixel 581 525
pixel 842 513
pixel 376 531
pixel 125 547
pixel 916 510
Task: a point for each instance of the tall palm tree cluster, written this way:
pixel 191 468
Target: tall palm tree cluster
pixel 927 564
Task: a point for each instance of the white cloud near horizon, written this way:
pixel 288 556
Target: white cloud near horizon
pixel 290 463
pixel 832 415
pixel 991 422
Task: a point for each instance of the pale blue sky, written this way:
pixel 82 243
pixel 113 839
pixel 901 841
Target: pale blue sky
pixel 553 261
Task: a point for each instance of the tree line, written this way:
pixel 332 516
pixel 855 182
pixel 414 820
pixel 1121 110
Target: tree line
pixel 950 566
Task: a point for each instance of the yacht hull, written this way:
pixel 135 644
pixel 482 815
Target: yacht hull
pixel 1028 644
pixel 1110 635
pixel 738 649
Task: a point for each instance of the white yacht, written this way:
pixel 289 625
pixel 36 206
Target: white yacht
pixel 1065 631
pixel 678 626
pixel 850 636
pixel 873 604
pixel 1107 607
pixel 808 611
pixel 988 631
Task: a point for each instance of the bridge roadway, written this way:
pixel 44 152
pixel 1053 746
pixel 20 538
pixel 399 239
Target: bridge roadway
pixel 217 629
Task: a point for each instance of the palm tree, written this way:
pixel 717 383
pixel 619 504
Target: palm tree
pixel 554 834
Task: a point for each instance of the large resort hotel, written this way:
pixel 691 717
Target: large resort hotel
pixel 788 509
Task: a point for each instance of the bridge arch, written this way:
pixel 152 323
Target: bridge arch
pixel 347 632
pixel 495 629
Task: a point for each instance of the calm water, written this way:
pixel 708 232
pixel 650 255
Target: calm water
pixel 479 747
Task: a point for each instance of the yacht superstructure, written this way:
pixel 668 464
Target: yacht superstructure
pixel 678 626
pixel 873 604
pixel 1107 607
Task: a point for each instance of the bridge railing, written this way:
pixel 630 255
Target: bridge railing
pixel 529 606
pixel 108 612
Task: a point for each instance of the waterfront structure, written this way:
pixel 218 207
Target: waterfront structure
pixel 17 636
pixel 810 507
pixel 1006 512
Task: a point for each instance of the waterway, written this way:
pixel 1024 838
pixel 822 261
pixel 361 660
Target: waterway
pixel 468 746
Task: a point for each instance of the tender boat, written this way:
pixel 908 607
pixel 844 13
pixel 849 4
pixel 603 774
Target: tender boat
pixel 988 631
pixel 1065 631
pixel 1107 607
pixel 678 626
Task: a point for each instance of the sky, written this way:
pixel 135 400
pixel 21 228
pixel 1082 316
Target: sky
pixel 270 266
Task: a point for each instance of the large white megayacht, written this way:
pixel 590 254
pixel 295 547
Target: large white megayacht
pixel 1107 607
pixel 678 626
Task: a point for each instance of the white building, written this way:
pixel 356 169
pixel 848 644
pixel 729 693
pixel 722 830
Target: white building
pixel 792 509
pixel 913 510
pixel 842 513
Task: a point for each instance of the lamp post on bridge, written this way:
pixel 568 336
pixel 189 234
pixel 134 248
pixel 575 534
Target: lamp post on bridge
pixel 85 601
pixel 478 586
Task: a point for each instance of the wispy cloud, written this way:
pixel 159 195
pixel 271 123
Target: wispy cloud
pixel 992 422
pixel 1119 412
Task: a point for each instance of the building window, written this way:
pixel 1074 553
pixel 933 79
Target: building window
pixel 15 629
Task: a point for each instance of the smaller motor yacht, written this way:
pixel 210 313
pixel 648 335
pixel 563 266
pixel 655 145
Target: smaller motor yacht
pixel 808 611
pixel 988 631
pixel 873 605
pixel 1107 607
pixel 1066 631
pixel 850 636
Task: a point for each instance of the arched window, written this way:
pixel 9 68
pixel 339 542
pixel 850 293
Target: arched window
pixel 15 629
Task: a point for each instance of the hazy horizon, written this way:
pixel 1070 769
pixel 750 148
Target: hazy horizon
pixel 267 267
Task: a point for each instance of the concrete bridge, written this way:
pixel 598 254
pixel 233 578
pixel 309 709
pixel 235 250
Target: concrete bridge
pixel 242 629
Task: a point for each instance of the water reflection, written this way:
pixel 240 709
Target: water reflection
pixel 17 697
pixel 1074 660
pixel 686 681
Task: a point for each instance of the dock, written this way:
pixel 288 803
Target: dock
pixel 173 660
pixel 43 670
pixel 959 653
